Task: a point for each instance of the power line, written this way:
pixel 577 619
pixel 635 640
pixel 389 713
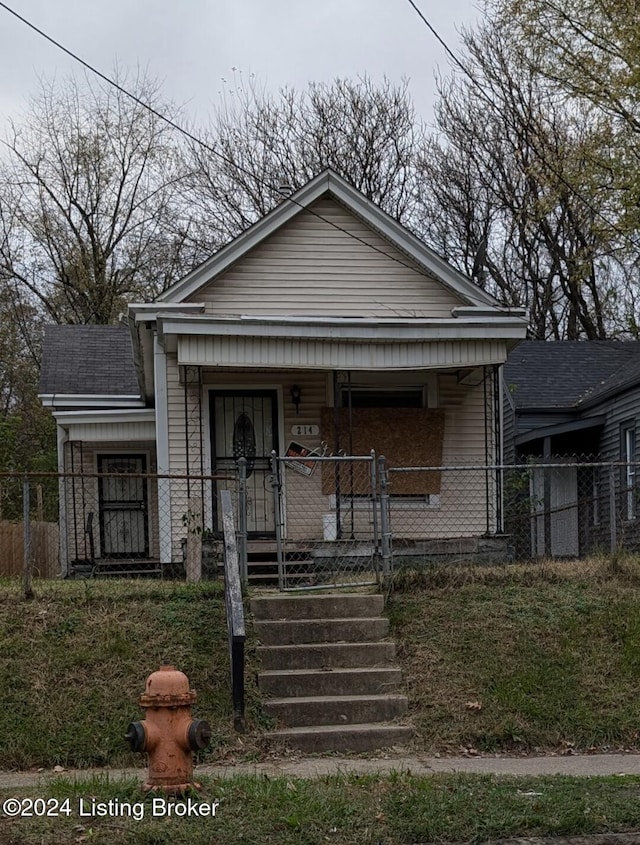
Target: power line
pixel 494 106
pixel 197 140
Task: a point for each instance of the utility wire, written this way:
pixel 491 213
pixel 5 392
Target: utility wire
pixel 495 107
pixel 199 141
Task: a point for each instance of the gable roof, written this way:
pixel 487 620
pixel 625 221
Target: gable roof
pixel 88 361
pixel 328 182
pixel 568 374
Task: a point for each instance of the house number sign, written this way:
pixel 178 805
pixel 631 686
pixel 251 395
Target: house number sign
pixel 305 430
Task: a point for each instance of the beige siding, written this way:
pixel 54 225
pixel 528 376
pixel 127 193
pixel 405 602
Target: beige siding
pixel 461 508
pixel 310 267
pixel 189 495
pixel 464 431
pixel 461 511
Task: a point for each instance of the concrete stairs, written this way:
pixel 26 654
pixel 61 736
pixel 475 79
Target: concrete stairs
pixel 329 680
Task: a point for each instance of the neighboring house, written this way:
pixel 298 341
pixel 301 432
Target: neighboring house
pixel 326 325
pixel 576 402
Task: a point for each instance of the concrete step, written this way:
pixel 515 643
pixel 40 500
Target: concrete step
pixel 332 606
pixel 366 737
pixel 335 710
pixel 326 655
pixel 359 630
pixel 293 683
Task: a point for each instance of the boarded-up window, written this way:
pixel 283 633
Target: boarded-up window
pixel 405 436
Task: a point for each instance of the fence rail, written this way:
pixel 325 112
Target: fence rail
pixel 317 521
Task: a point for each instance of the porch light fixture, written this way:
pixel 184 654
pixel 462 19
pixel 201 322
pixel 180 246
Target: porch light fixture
pixel 296 394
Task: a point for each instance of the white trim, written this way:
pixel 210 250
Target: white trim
pixel 143 312
pixel 90 400
pixel 498 326
pixel 329 182
pixel 128 415
pixel 473 311
pixel 165 531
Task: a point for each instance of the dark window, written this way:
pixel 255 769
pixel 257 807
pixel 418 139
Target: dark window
pixel 373 397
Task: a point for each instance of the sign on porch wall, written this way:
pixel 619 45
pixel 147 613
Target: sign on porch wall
pixel 297 450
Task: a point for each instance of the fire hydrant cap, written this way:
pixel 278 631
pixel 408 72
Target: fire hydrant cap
pixel 167 686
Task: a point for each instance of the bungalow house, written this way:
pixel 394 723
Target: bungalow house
pixel 576 404
pixel 326 327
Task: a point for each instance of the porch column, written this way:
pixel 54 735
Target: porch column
pixel 162 447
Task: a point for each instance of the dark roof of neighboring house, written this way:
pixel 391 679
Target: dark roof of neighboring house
pixel 566 374
pixel 88 360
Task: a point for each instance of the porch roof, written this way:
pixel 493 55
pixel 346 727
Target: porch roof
pixel 340 343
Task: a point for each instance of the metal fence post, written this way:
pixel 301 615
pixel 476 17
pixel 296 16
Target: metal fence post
pixel 385 528
pixel 276 486
pixel 242 521
pixel 26 525
pixel 374 515
pixel 613 528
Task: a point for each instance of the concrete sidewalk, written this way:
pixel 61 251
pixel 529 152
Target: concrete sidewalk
pixel 579 765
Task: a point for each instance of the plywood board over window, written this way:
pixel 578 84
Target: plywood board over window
pixel 407 437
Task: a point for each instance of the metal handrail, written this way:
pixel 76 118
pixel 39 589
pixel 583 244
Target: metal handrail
pixel 235 610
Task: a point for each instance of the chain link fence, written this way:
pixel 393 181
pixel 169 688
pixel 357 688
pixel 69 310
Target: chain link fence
pixel 119 522
pixel 315 522
pixel 327 515
pixel 567 508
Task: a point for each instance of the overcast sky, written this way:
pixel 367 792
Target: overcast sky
pixel 193 45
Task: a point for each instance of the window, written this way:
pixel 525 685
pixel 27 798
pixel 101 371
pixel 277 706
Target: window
pixel 374 397
pixel 628 437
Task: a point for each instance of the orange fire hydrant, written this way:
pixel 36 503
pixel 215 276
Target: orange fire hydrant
pixel 168 734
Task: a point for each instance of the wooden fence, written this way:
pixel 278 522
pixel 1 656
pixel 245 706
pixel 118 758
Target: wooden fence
pixel 44 548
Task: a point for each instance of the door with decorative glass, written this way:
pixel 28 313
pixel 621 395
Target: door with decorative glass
pixel 244 425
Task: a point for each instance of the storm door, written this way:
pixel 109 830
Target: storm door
pixel 244 425
pixel 122 496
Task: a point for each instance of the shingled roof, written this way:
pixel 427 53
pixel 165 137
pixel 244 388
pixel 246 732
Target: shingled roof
pixel 88 361
pixel 566 374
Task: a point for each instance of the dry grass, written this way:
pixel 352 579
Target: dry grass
pixel 521 658
pixel 513 658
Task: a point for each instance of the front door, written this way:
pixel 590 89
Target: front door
pixel 122 496
pixel 245 425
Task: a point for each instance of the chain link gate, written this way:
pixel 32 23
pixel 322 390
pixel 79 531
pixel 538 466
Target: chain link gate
pixel 327 519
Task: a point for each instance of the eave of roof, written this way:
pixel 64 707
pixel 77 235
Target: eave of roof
pixel 582 424
pixel 499 327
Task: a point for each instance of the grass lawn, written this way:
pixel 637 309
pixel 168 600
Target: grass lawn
pixel 494 659
pixel 522 658
pixel 342 810
pixel 74 661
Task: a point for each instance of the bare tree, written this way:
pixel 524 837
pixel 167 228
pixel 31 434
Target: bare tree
pixel 367 133
pixel 516 196
pixel 89 191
